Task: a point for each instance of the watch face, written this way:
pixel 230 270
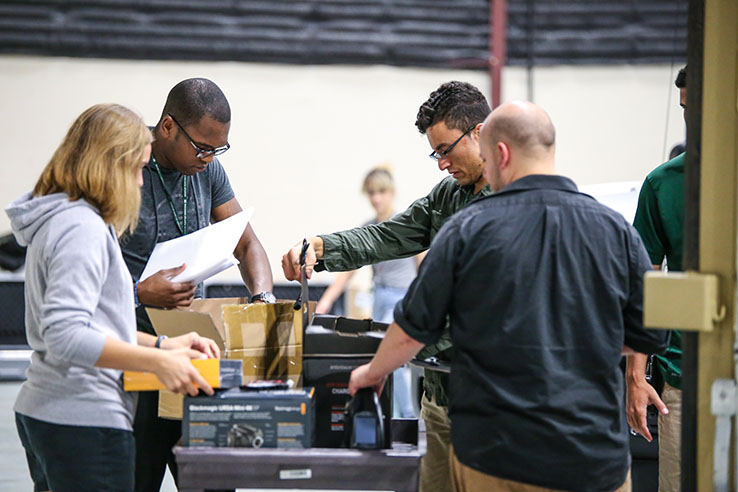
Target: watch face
pixel 266 297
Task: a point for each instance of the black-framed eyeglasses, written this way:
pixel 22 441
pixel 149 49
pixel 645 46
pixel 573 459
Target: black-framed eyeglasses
pixel 201 153
pixel 437 156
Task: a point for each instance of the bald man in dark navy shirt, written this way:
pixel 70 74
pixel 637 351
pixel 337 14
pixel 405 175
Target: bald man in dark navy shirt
pixel 544 290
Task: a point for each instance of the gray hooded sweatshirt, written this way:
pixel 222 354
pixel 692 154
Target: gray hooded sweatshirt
pixel 78 292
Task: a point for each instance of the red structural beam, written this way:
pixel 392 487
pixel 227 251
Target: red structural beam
pixel 497 47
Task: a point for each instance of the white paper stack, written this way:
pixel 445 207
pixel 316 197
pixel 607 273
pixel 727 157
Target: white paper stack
pixel 206 252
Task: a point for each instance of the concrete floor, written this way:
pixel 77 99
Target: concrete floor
pixel 14 476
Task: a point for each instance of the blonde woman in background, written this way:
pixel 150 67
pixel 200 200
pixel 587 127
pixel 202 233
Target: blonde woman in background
pixel 391 278
pixel 73 417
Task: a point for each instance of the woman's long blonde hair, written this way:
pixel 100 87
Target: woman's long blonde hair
pixel 98 160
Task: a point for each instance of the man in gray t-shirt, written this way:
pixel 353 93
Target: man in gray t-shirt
pixel 206 191
pixel 185 189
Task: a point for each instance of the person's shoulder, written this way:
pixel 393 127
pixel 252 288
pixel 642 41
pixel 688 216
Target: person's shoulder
pixel 669 169
pixel 449 191
pixel 482 208
pixel 81 224
pixel 447 185
pixel 81 214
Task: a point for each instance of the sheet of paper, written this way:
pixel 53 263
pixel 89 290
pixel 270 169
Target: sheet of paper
pixel 206 252
pixel 620 196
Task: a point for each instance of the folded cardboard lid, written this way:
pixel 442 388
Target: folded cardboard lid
pixel 213 307
pixel 203 316
pixel 321 341
pixel 174 323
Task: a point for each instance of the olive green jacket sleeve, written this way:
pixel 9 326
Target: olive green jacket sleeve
pixel 406 234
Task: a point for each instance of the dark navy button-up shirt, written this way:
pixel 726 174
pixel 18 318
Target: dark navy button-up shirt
pixel 543 286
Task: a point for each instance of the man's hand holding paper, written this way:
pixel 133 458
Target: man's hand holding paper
pixel 159 290
pixel 175 267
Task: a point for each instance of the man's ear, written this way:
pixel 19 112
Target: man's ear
pixel 504 151
pixel 477 131
pixel 166 126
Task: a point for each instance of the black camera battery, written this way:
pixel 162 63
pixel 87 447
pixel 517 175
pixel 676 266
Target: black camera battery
pixel 242 418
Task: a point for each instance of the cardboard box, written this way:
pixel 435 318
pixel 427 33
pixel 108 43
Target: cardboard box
pixel 333 347
pixel 219 373
pixel 246 418
pixel 266 337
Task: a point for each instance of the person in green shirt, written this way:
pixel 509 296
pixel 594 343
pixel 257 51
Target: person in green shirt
pixel 659 220
pixel 451 119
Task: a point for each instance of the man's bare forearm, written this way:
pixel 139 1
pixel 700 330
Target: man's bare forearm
pixel 635 367
pixel 396 349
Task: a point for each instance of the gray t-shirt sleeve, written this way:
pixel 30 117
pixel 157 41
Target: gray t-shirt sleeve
pixel 220 186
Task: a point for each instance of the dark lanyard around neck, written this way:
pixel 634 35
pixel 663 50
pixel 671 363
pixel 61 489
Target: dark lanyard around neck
pixel 182 227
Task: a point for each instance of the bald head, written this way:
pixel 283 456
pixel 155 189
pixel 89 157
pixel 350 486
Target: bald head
pixel 517 139
pixel 520 124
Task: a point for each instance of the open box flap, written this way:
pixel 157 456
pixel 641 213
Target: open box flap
pixel 174 323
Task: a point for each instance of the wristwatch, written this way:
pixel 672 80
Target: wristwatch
pixel 265 297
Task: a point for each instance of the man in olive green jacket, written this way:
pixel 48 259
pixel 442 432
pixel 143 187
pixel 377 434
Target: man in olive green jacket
pixel 451 118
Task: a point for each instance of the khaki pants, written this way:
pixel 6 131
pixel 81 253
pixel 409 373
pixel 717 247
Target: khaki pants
pixel 467 479
pixel 435 475
pixel 670 440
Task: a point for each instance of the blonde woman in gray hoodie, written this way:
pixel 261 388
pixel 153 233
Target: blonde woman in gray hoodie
pixel 73 417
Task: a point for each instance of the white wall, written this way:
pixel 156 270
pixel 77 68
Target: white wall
pixel 304 136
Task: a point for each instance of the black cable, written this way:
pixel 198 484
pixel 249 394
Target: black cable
pixel 677 10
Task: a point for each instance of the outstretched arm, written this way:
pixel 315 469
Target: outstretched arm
pixel 254 263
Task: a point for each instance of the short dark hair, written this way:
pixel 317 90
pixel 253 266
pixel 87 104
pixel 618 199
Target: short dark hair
pixel 676 150
pixel 459 104
pixel 192 99
pixel 681 78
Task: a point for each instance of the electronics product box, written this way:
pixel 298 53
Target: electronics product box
pixel 266 337
pixel 282 418
pixel 219 373
pixel 333 347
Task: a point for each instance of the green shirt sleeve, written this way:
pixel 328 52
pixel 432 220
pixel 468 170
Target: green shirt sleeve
pixel 648 223
pixel 406 234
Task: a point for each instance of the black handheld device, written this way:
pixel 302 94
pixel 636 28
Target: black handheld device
pixel 363 421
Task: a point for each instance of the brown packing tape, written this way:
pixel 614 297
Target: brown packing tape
pixel 261 325
pixel 270 363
